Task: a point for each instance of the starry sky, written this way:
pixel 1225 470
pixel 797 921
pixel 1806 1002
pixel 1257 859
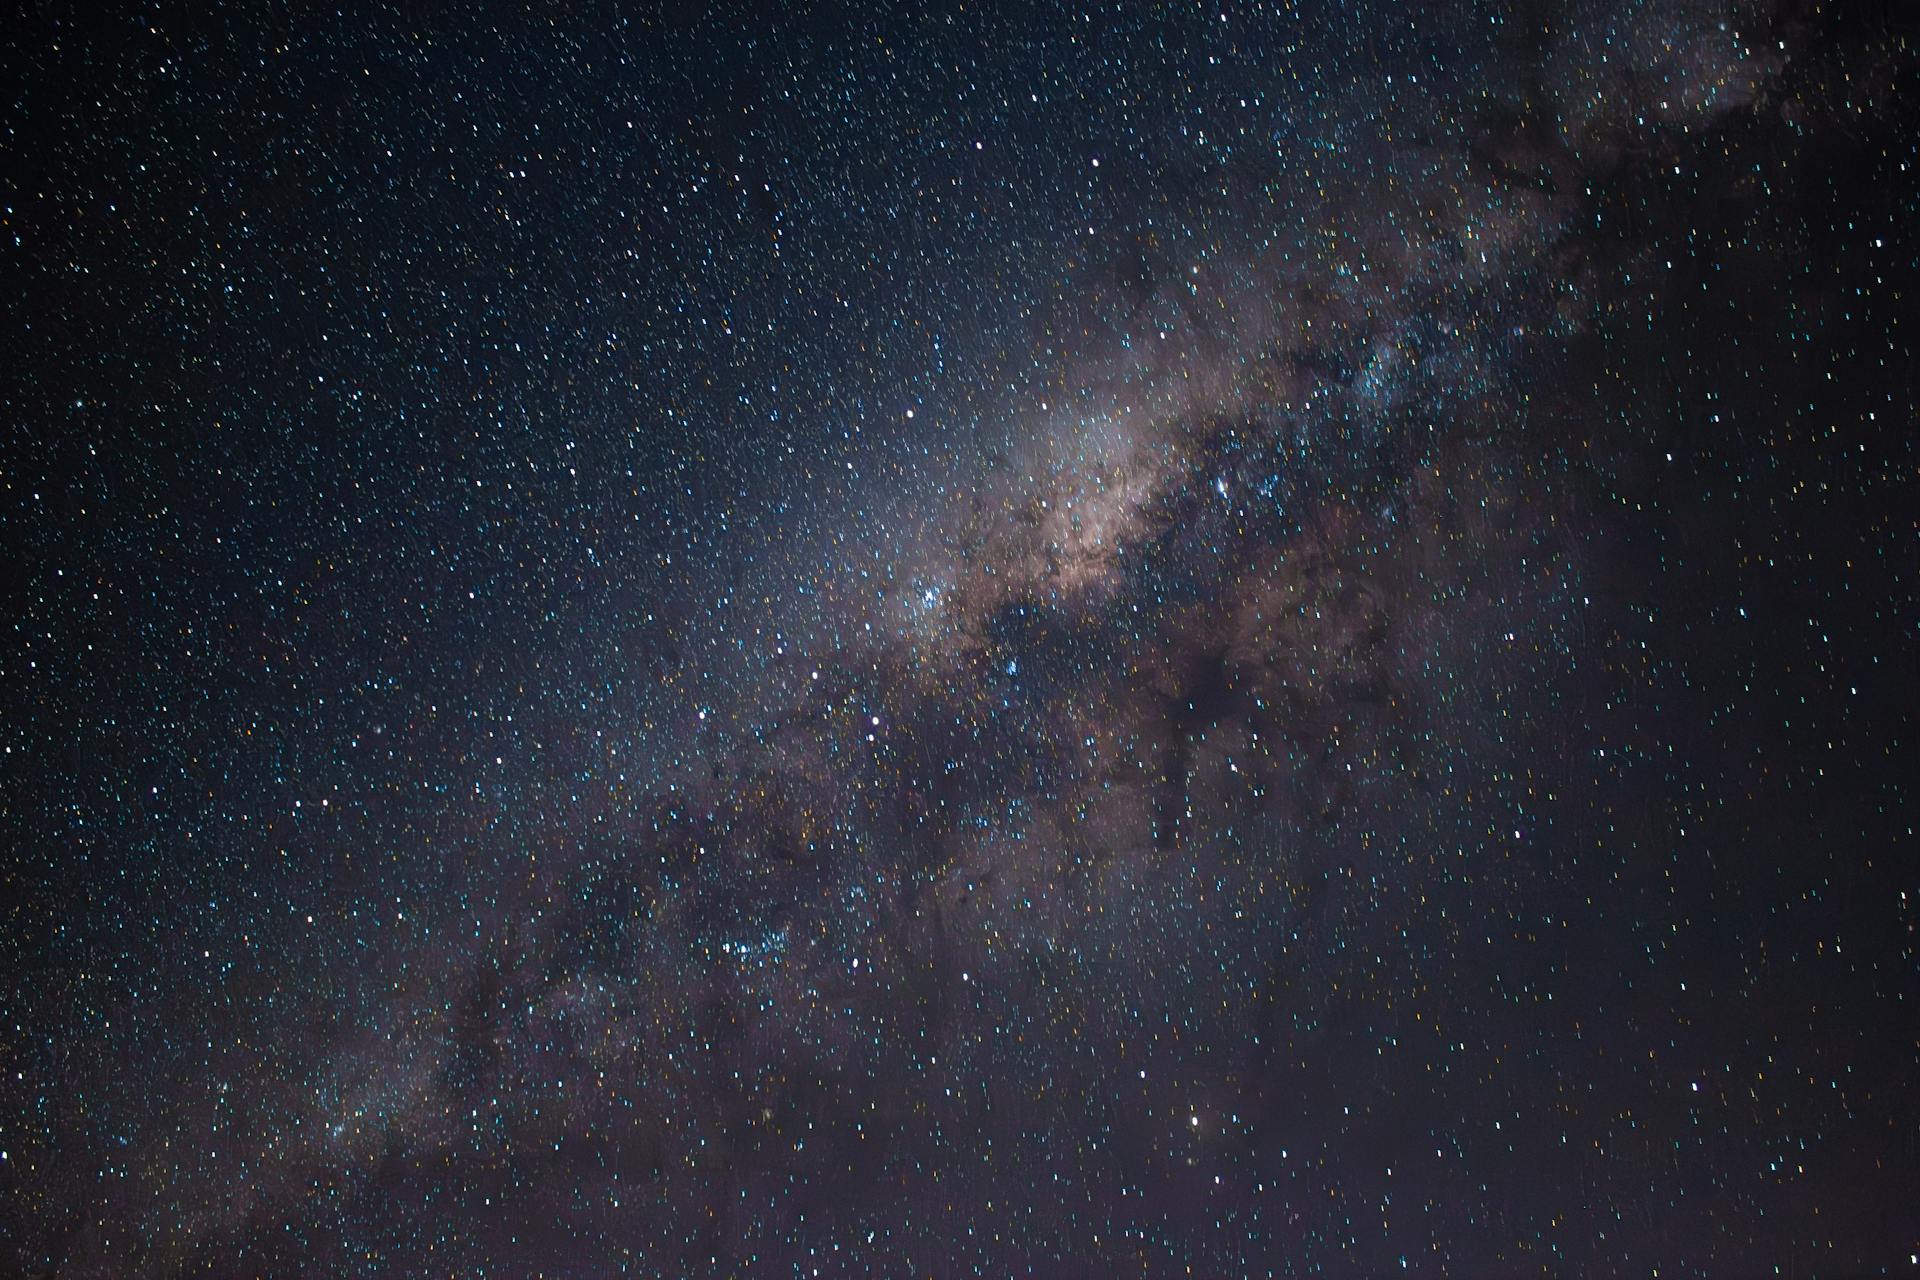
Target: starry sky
pixel 958 640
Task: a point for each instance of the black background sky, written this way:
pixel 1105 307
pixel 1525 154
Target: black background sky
pixel 959 641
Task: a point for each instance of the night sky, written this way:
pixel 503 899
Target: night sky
pixel 1043 641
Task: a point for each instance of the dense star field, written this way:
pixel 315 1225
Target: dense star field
pixel 960 642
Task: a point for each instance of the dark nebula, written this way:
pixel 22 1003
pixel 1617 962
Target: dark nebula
pixel 960 641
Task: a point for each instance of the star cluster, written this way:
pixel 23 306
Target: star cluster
pixel 1246 641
